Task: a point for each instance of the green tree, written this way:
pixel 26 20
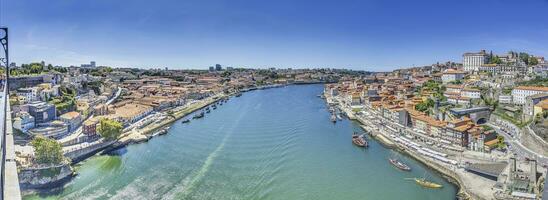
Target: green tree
pixel 109 129
pixel 524 57
pixel 500 143
pixel 495 60
pixel 47 151
pixel 425 105
pixel 36 68
pixel 532 61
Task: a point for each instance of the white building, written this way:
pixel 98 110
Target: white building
pixel 23 122
pixel 471 93
pixel 505 99
pixel 30 94
pixel 473 61
pixel 452 75
pixel 520 93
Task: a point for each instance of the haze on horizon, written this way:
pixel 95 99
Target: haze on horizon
pixel 375 35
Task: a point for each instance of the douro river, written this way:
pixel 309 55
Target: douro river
pixel 267 144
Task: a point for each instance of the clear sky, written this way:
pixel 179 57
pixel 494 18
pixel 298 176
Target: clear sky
pixel 360 34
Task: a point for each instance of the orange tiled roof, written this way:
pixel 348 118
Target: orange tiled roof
pixel 544 89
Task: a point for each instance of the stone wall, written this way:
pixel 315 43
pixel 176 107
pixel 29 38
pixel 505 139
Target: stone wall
pixel 45 177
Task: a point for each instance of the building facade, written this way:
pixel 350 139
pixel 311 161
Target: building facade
pixel 519 94
pixel 42 112
pixel 473 61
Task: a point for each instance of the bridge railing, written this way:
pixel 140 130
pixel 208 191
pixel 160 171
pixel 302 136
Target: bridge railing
pixel 10 180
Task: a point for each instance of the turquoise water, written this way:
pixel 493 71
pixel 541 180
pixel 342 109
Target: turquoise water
pixel 266 144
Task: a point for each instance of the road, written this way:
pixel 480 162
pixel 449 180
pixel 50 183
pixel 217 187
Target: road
pixel 118 92
pixel 517 148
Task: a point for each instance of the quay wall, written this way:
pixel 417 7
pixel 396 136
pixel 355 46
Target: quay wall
pixel 86 152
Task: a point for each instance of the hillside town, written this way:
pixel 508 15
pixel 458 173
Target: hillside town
pixel 483 121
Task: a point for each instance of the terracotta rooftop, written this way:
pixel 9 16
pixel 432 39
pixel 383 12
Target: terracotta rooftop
pixel 70 115
pixel 544 89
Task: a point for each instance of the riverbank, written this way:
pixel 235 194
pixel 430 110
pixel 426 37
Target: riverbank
pixel 448 174
pixel 142 135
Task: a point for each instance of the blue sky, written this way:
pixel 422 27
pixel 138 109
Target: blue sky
pixel 372 35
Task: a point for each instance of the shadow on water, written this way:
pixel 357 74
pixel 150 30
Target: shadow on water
pixel 117 152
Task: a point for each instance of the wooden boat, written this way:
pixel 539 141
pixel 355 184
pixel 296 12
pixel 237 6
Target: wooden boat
pixel 399 164
pixel 358 140
pixel 427 184
pixel 424 183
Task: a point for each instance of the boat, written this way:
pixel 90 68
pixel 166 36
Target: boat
pixel 200 115
pixel 399 164
pixel 358 140
pixel 185 121
pixel 333 119
pixel 339 117
pixel 424 183
pixel 427 184
pixel 207 111
pixel 239 94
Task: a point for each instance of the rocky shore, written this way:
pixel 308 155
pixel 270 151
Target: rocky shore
pixel 45 177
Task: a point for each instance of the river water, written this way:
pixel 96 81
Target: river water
pixel 266 144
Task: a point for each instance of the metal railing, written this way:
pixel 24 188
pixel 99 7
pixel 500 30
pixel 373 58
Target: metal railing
pixel 2 138
pixel 4 105
pixel 9 180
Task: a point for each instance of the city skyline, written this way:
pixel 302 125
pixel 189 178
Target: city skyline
pixel 372 35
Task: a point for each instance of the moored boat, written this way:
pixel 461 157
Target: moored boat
pixel 333 119
pixel 358 140
pixel 185 121
pixel 200 115
pixel 399 164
